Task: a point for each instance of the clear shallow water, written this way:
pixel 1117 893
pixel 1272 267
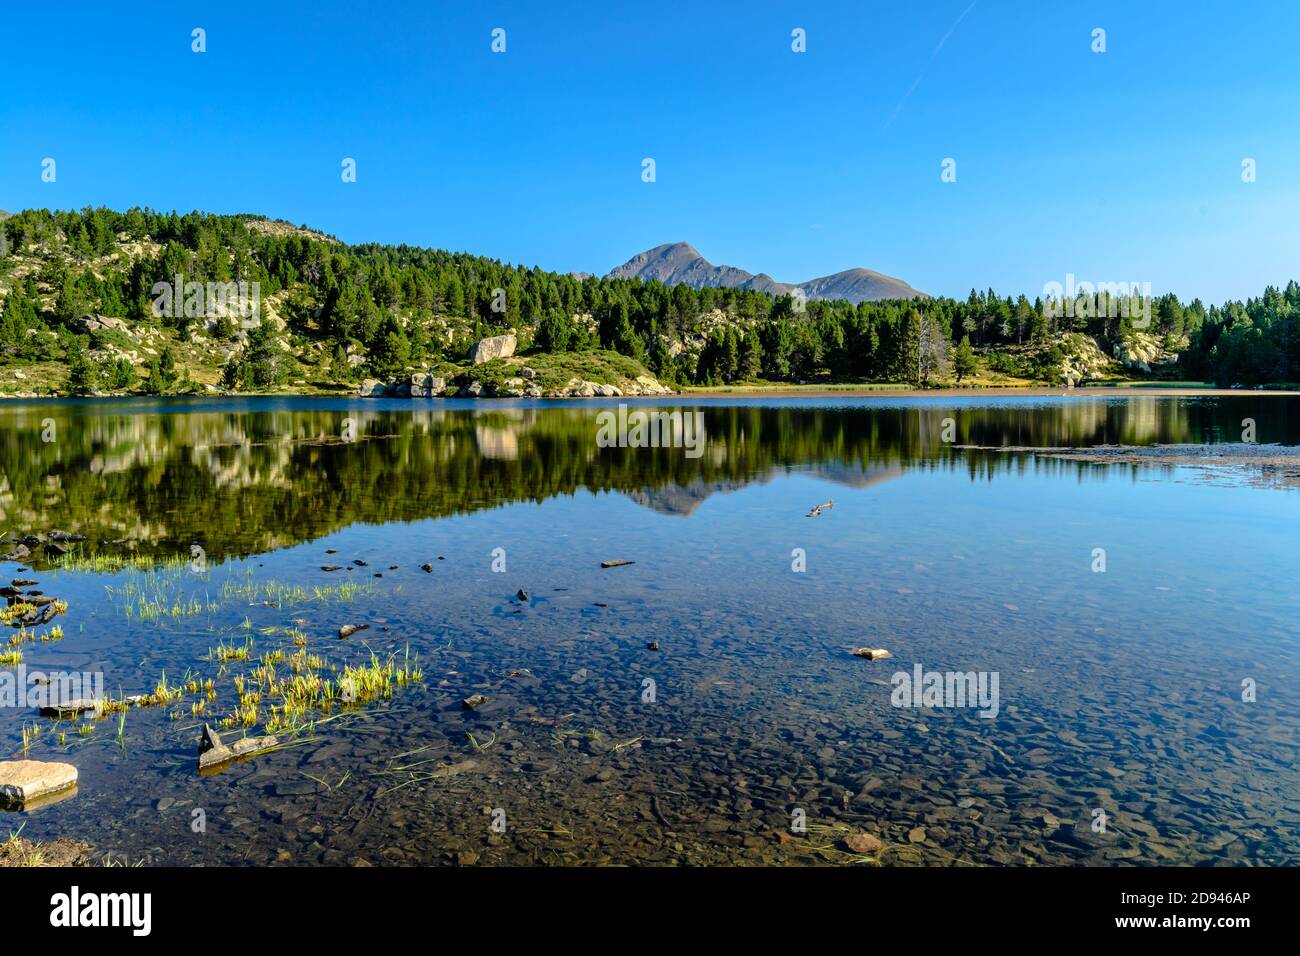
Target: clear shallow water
pixel 1118 692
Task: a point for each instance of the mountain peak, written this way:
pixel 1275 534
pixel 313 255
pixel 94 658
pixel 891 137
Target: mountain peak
pixel 679 263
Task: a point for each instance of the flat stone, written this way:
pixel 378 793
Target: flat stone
pixel 872 653
pixel 615 563
pixel 22 781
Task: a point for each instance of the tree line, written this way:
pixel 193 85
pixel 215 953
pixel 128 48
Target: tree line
pixel 385 299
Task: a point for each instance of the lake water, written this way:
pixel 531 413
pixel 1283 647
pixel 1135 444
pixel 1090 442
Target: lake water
pixel 1147 714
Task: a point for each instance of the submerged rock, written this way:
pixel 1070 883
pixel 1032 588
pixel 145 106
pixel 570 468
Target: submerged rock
pixel 474 702
pixel 863 843
pixel 23 781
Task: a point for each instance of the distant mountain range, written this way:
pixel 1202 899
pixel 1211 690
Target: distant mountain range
pixel 678 263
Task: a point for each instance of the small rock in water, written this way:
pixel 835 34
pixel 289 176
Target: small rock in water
pixel 57 535
pixel 862 843
pixel 872 653
pixel 347 630
pixel 23 583
pixel 474 702
pixel 329 567
pixel 22 781
pixel 68 708
pixel 916 835
pixel 426 567
pixel 615 563
pixel 359 563
pixel 209 739
pixel 652 646
pixel 220 754
pixel 522 595
pixel 331 551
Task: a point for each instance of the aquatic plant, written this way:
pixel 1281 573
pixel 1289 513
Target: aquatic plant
pixel 14 611
pixel 225 653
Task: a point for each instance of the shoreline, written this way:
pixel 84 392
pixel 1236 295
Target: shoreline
pixel 1030 391
pixel 850 391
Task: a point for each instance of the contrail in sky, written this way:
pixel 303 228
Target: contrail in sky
pixel 920 76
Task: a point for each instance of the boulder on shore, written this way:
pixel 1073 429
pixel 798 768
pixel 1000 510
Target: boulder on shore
pixel 495 347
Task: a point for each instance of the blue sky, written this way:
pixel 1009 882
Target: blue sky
pixel 1124 165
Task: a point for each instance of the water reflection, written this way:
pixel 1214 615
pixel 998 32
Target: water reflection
pixel 249 476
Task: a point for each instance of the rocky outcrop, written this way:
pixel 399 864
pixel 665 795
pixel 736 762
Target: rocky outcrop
pixel 1082 359
pixel 426 385
pixel 418 385
pixel 1142 350
pixel 523 385
pixel 96 323
pixel 496 347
